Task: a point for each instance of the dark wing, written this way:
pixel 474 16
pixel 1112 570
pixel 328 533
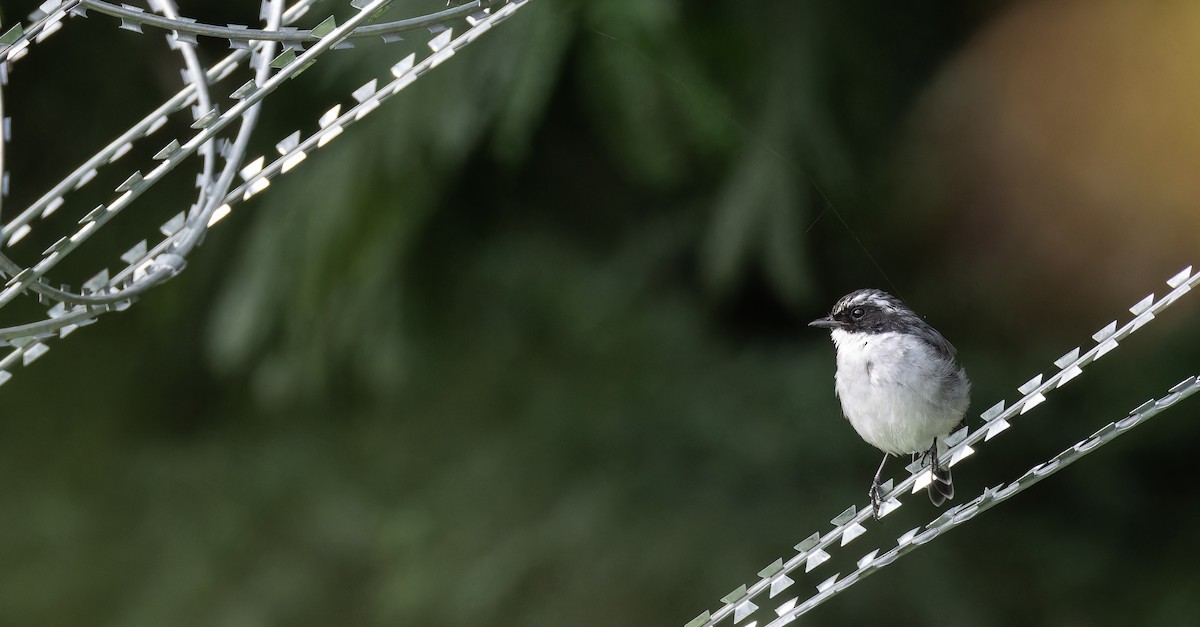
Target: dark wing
pixel 935 339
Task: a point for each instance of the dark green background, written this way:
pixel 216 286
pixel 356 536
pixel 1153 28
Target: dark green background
pixel 527 347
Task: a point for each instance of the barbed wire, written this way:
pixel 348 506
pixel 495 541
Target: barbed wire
pixel 816 549
pixel 275 54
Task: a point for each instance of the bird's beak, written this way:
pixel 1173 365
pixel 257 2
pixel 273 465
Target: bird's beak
pixel 825 323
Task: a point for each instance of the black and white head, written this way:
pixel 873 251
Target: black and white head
pixel 872 311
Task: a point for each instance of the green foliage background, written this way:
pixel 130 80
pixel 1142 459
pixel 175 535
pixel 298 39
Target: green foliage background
pixel 528 349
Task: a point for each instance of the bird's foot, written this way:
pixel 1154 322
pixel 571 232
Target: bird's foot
pixel 876 500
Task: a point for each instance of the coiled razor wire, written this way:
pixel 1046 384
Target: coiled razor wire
pixel 816 549
pixel 275 53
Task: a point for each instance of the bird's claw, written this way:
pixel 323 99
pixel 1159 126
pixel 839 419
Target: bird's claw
pixel 876 500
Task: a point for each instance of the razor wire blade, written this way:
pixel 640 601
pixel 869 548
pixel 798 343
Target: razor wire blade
pixel 740 604
pixel 275 53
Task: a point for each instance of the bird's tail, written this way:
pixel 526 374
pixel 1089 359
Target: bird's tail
pixel 941 489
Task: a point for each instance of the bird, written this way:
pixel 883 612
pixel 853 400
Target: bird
pixel 898 381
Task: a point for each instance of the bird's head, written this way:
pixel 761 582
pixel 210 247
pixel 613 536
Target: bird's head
pixel 868 310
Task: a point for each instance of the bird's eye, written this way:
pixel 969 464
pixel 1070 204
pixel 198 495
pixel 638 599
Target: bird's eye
pixel 857 313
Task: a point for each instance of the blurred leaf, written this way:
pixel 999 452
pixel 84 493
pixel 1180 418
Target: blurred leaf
pixel 538 52
pixel 652 103
pixel 757 217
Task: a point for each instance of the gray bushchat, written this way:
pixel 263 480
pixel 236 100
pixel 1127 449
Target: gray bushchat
pixel 898 382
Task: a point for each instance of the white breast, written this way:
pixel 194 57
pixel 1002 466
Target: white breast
pixel 896 391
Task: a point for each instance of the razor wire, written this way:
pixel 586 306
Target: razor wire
pixel 274 54
pixel 739 605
